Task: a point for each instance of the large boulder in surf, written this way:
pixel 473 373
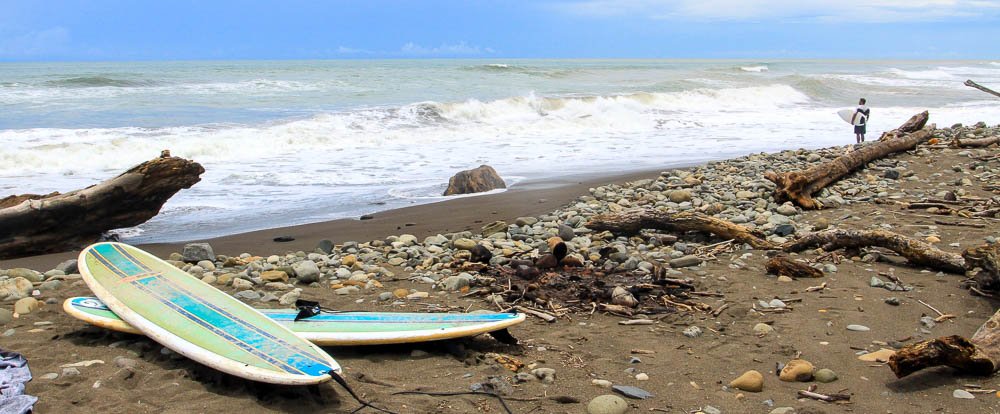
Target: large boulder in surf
pixel 477 180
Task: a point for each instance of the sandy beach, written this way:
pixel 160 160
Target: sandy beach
pixel 684 357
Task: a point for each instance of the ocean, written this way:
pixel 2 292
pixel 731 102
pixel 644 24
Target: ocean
pixel 294 142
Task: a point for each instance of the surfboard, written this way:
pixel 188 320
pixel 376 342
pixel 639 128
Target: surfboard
pixel 337 329
pixel 199 321
pixel 851 116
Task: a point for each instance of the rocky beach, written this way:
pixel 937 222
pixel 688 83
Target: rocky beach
pixel 652 321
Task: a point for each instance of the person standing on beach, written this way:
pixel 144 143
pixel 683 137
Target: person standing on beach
pixel 864 113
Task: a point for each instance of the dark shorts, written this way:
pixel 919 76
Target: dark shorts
pixel 859 129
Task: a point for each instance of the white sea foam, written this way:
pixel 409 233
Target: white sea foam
pixel 935 74
pixel 757 68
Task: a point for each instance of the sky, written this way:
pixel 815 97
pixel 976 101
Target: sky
pixel 89 30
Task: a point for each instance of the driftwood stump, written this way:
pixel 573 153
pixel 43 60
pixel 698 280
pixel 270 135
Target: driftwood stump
pixel 917 252
pixel 633 221
pixel 986 258
pixel 799 186
pixel 61 222
pixel 979 355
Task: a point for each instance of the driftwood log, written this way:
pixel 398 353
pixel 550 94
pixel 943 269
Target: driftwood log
pixel 61 222
pixel 972 84
pixel 915 251
pixel 634 221
pixel 975 142
pixel 783 266
pixel 979 355
pixel 799 186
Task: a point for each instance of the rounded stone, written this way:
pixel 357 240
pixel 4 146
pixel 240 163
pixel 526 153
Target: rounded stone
pixel 25 306
pixel 825 375
pixel 751 381
pixel 762 329
pixel 607 404
pixel 797 370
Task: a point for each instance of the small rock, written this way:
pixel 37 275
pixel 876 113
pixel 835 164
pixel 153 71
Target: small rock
pixel 547 375
pixel 642 376
pixel 825 375
pixel 821 224
pixel 882 355
pixel 25 306
pixel 784 229
pixel 796 370
pixel 607 404
pixel 685 261
pixel 692 332
pixel 346 290
pixel 708 409
pixel 751 381
pixel 274 276
pixel 306 271
pixel 453 283
pixel 894 301
pixel 762 329
pixel 5 316
pixel 602 383
pixel 858 328
pixel 632 392
pixel 242 284
pixel 325 246
pixel 783 410
pixel 247 295
pixel 963 394
pixel 125 363
pixel 787 209
pixel 53 375
pixel 680 196
pixel 196 252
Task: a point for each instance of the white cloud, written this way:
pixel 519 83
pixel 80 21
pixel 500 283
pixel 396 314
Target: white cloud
pixel 34 43
pixel 344 50
pixel 798 10
pixel 457 49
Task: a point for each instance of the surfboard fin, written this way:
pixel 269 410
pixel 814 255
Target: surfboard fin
pixel 307 309
pixel 504 336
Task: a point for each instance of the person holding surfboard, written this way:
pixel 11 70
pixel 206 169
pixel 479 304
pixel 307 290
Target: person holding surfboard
pixel 861 123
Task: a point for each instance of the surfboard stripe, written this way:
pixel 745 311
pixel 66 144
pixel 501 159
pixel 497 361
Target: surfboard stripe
pixel 132 271
pixel 188 295
pixel 169 302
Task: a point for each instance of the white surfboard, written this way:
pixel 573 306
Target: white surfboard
pixel 852 116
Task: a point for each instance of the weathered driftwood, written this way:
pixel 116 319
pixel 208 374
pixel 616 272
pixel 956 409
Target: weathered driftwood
pixel 783 266
pixel 72 220
pixel 917 252
pixel 799 186
pixel 986 258
pixel 970 83
pixel 979 355
pixel 975 142
pixel 633 221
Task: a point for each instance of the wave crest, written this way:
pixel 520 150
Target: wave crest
pixel 98 81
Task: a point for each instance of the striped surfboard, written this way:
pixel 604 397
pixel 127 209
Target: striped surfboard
pixel 341 328
pixel 199 321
